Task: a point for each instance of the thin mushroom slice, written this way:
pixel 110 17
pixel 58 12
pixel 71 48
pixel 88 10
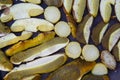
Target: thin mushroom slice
pixel 41 65
pixel 42 50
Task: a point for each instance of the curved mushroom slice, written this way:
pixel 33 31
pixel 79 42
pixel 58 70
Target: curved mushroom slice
pixel 12 38
pixel 20 11
pixel 117 8
pixel 4 30
pixel 23 45
pixel 40 51
pixel 98 32
pixel 95 77
pixel 106 9
pixel 5 64
pixel 32 77
pixel 93 6
pixel 32 1
pixel 32 24
pixel 5 4
pixel 74 70
pixel 68 5
pixel 111 37
pixel 116 51
pixel 78 9
pixel 41 65
pixel 83 31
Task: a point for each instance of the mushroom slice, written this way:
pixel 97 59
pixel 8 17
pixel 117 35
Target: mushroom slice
pixel 23 45
pixel 20 11
pixel 116 51
pixel 12 38
pixel 111 37
pixel 78 9
pixel 5 3
pixel 32 1
pixel 117 8
pixel 41 65
pixel 5 64
pixel 32 77
pixel 93 6
pixel 31 24
pixel 68 5
pixel 83 31
pixel 74 70
pixel 105 7
pixel 98 32
pixel 4 30
pixel 40 51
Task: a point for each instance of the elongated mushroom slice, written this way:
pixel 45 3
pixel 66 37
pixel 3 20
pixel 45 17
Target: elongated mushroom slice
pixel 98 32
pixel 40 51
pixel 105 7
pixel 111 37
pixel 41 65
pixel 5 64
pixel 32 77
pixel 108 59
pixel 57 3
pixel 116 51
pixel 78 9
pixel 32 1
pixel 99 69
pixel 23 45
pixel 83 31
pixel 4 30
pixel 74 70
pixel 95 77
pixel 20 11
pixel 5 3
pixel 93 6
pixel 117 8
pixel 68 5
pixel 32 24
pixel 12 38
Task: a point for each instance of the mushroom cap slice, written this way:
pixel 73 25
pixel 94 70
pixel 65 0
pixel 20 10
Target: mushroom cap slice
pixel 68 5
pixel 117 8
pixel 41 65
pixel 20 11
pixel 5 3
pixel 111 37
pixel 42 50
pixel 32 24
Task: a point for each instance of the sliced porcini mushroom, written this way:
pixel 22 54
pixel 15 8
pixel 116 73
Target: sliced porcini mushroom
pixel 105 7
pixel 5 4
pixel 32 77
pixel 5 64
pixel 20 11
pixel 98 32
pixel 57 3
pixel 111 37
pixel 83 29
pixel 78 9
pixel 95 77
pixel 31 24
pixel 41 65
pixel 74 70
pixel 108 59
pixel 93 6
pixel 12 38
pixel 23 45
pixel 117 8
pixel 42 50
pixel 4 30
pixel 68 5
pixel 99 69
pixel 116 51
pixel 90 52
pixel 32 1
